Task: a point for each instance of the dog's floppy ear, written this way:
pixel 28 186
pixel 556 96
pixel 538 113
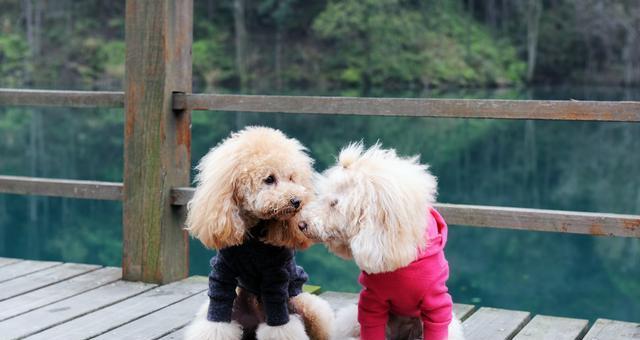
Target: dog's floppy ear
pixel 381 245
pixel 213 213
pixel 393 217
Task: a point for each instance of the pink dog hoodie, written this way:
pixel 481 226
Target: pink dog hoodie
pixel 417 290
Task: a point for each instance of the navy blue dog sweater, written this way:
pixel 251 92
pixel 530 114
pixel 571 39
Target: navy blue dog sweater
pixel 267 271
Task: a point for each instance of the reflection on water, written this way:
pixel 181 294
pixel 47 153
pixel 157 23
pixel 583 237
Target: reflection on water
pixel 557 165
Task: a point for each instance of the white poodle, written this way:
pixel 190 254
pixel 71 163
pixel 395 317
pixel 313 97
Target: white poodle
pixel 377 208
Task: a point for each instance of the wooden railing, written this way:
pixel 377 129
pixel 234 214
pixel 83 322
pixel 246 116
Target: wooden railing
pixel 572 110
pixel 158 103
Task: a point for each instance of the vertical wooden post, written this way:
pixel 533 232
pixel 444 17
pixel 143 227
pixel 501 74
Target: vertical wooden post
pixel 157 144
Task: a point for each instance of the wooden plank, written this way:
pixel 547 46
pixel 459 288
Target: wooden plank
pixel 61 188
pixel 42 278
pixel 160 323
pixel 553 328
pixel 157 139
pixel 56 313
pixel 59 291
pixel 463 311
pixel 111 317
pixel 177 335
pixel 26 97
pixel 604 329
pixel 21 268
pixel 451 108
pixel 494 324
pixel 6 261
pixel 600 224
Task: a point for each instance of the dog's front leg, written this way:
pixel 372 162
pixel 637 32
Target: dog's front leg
pixel 213 321
pixel 275 297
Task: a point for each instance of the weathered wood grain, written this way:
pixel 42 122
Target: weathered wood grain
pixel 108 318
pixel 160 323
pixel 553 328
pixel 177 335
pixel 25 97
pixel 453 108
pixel 600 224
pixel 463 311
pixel 604 329
pixel 61 188
pixel 5 261
pixel 56 313
pixel 494 324
pixel 157 139
pixel 25 267
pixel 458 108
pixel 56 292
pixel 42 278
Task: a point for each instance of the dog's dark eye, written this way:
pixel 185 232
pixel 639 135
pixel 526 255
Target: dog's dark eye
pixel 270 180
pixel 333 203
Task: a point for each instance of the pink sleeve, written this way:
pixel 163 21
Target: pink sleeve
pixel 437 309
pixel 373 314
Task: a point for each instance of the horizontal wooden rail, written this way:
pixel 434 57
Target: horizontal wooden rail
pixel 600 224
pixel 19 97
pixel 61 188
pixel 448 108
pixel 451 108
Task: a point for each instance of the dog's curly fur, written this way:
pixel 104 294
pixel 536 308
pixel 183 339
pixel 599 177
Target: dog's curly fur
pixel 231 196
pixel 252 177
pixel 371 207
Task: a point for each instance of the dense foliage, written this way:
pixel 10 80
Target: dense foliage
pixel 366 47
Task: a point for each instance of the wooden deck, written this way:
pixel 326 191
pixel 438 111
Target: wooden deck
pixel 54 300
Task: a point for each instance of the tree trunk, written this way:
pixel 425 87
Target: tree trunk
pixel 470 5
pixel 629 51
pixel 278 56
pixel 490 15
pixel 534 11
pixel 241 42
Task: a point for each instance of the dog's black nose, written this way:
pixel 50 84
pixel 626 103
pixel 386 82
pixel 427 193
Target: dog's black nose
pixel 295 202
pixel 302 225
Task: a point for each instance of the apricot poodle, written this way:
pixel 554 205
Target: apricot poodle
pixel 249 188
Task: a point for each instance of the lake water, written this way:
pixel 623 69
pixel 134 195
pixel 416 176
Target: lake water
pixel 582 166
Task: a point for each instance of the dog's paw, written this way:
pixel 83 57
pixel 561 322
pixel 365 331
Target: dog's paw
pixel 292 330
pixel 203 329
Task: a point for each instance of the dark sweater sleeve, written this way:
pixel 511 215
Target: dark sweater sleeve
pixel 222 291
pixel 275 295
